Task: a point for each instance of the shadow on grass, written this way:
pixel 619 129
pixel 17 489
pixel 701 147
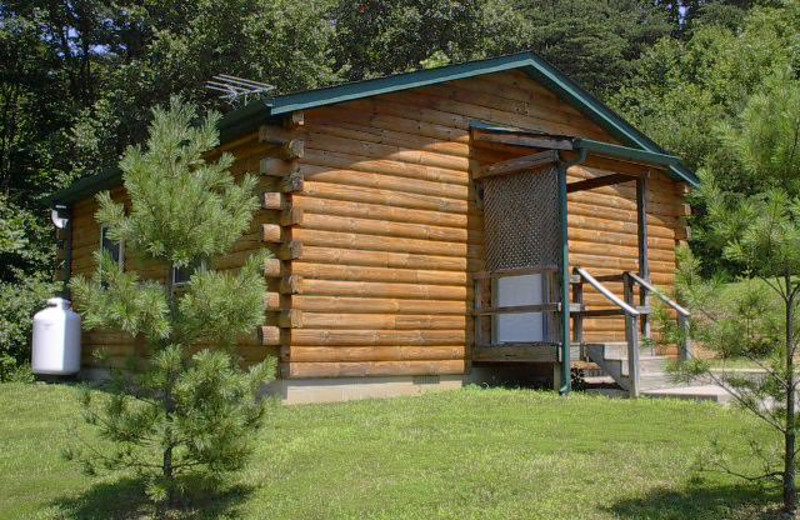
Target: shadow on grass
pixel 699 502
pixel 125 499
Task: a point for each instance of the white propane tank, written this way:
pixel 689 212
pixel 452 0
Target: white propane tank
pixel 56 339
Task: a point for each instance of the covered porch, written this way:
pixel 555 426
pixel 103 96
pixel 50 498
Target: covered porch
pixel 534 299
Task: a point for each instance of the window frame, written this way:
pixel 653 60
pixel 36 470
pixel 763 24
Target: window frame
pixel 494 287
pixel 199 265
pixel 120 244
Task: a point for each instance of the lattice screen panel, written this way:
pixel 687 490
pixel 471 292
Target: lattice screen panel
pixel 522 220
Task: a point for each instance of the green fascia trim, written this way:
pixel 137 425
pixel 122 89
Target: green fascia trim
pixel 409 80
pixel 86 187
pixel 625 152
pixel 244 120
pixel 247 119
pixel 600 113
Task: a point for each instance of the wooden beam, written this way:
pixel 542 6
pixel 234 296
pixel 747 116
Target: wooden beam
pixel 519 164
pixel 532 353
pixel 644 257
pixel 597 182
pixel 523 139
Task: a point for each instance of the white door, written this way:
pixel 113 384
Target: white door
pixel 515 291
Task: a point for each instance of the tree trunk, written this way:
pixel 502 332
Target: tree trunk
pixel 790 437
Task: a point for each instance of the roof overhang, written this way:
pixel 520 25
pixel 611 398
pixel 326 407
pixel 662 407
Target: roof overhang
pixel 247 119
pixel 518 136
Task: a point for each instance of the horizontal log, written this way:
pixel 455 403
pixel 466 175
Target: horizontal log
pixel 272 268
pixel 628 228
pixel 276 167
pixel 631 240
pixel 343 304
pixel 376 114
pixel 291 319
pixel 363 179
pixel 438 100
pixel 270 335
pixel 628 216
pixel 274 134
pixel 393 353
pixel 386 197
pixel 291 284
pixel 378 151
pixel 368 132
pixel 271 233
pixel 381 212
pixel 272 200
pixel 272 301
pixel 487 106
pixel 379 290
pixel 619 251
pixel 340 159
pixel 377 274
pixel 292 216
pixel 348 321
pixel 529 93
pixel 293 183
pixel 376 368
pixel 386 228
pixel 362 242
pixel 316 337
pixel 294 149
pixel 289 250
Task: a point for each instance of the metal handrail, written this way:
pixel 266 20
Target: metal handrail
pixel 630 311
pixel 661 296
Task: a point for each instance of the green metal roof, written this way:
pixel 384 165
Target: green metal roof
pixel 247 119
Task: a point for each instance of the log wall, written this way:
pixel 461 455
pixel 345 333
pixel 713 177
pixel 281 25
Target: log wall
pixel 371 212
pixel 391 230
pixel 86 240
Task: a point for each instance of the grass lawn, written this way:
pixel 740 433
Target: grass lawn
pixel 487 454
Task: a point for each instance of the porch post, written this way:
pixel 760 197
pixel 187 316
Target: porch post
pixel 566 374
pixel 644 261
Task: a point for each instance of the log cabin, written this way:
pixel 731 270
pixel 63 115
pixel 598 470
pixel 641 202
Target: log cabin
pixel 489 220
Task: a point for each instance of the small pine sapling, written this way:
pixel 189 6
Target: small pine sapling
pixel 185 408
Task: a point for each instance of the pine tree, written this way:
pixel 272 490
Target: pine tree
pixel 181 412
pixel 760 233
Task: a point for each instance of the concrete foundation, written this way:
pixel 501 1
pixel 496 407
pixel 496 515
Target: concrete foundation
pixel 302 391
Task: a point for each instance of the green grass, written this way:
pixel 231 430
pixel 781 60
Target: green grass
pixel 488 454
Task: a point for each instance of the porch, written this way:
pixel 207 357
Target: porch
pixel 533 302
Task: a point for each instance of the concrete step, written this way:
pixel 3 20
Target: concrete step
pixel 712 393
pixel 658 380
pixel 647 364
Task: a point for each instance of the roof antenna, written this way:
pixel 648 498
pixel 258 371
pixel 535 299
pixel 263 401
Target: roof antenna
pixel 237 91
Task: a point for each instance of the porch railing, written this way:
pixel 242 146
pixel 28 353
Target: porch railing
pixel 631 323
pixel 685 347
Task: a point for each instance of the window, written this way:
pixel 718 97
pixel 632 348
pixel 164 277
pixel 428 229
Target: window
pixel 115 249
pixel 181 275
pixel 519 291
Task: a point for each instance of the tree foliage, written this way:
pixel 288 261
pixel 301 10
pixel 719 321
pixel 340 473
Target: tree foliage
pixel 683 89
pixel 183 411
pixel 759 231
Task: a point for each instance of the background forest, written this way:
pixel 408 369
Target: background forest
pixel 78 78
